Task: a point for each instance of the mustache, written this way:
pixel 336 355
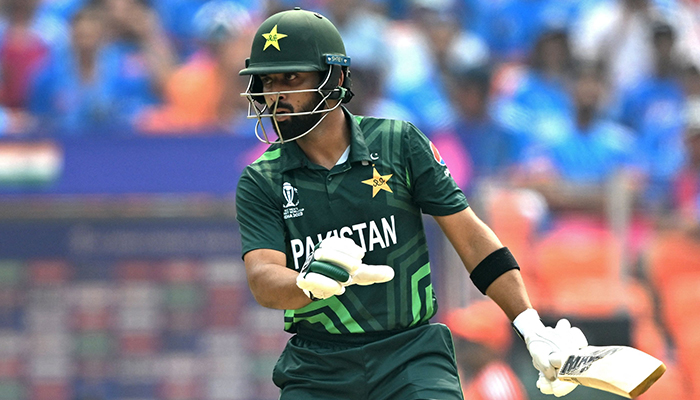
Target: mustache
pixel 282 104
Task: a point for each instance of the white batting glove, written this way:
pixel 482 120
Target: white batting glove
pixel 556 387
pixel 336 263
pixel 549 348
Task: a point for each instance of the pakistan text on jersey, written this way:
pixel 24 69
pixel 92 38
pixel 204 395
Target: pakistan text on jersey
pixel 367 235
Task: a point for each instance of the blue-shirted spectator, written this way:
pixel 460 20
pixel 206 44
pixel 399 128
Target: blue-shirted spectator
pixel 513 27
pixel 180 20
pixel 413 77
pixel 203 94
pixel 572 171
pixel 71 95
pixel 652 109
pixel 617 32
pixel 138 59
pixel 176 17
pixel 362 30
pixel 491 151
pixel 539 108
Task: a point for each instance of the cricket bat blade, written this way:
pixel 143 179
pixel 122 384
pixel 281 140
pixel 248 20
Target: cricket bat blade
pixel 622 370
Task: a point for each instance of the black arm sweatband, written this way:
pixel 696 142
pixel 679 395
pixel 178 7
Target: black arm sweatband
pixel 490 268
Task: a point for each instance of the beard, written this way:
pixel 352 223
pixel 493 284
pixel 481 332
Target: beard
pixel 293 127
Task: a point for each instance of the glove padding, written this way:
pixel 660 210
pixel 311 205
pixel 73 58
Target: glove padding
pixel 549 348
pixel 336 263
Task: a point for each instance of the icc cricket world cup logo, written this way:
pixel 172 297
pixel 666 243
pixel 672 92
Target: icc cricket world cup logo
pixel 290 195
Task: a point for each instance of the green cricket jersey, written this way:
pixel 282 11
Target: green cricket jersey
pixel 392 174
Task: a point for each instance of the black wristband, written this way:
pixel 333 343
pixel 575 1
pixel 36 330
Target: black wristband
pixel 490 268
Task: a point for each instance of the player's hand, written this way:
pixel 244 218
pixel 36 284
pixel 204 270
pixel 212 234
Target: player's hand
pixel 549 347
pixel 337 263
pixel 556 387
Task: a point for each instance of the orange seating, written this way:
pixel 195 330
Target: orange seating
pixel 579 252
pixel 680 302
pixel 512 215
pixel 580 271
pixel 673 268
pixel 670 254
pixel 688 351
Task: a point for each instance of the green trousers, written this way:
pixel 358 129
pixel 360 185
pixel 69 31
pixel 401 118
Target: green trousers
pixel 415 364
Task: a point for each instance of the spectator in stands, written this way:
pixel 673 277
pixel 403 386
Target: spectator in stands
pixel 536 105
pixel 413 78
pixel 179 18
pixel 452 47
pixel 138 58
pixel 367 86
pixel 572 171
pixel 482 338
pixel 618 32
pixel 651 108
pixel 203 94
pixel 489 149
pixel 22 50
pixel 71 93
pixel 362 30
pixel 513 27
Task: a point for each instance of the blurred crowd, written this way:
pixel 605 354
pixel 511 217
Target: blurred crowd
pixel 591 104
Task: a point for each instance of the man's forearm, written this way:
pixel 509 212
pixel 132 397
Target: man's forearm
pixel 274 286
pixel 509 292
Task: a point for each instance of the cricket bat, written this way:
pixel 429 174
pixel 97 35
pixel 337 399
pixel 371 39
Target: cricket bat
pixel 622 370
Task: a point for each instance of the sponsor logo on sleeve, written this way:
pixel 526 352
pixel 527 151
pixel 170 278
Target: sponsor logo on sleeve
pixel 436 154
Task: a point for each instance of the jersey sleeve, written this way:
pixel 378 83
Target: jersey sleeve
pixel 259 218
pixel 432 186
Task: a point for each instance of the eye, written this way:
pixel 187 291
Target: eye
pixel 289 76
pixel 266 81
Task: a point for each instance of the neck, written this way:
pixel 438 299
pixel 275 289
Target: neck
pixel 327 142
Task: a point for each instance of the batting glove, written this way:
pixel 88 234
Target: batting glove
pixel 549 347
pixel 336 263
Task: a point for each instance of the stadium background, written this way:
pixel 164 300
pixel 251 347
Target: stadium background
pixel 122 135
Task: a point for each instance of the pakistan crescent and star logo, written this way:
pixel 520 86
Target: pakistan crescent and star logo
pixel 378 182
pixel 272 38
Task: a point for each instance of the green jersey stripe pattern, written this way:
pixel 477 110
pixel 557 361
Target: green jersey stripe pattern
pixel 377 197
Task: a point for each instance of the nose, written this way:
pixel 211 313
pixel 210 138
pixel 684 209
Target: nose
pixel 275 97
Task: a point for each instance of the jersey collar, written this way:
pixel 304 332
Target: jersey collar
pixel 292 157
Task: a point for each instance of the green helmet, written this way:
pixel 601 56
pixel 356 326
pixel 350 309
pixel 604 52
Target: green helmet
pixel 296 41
